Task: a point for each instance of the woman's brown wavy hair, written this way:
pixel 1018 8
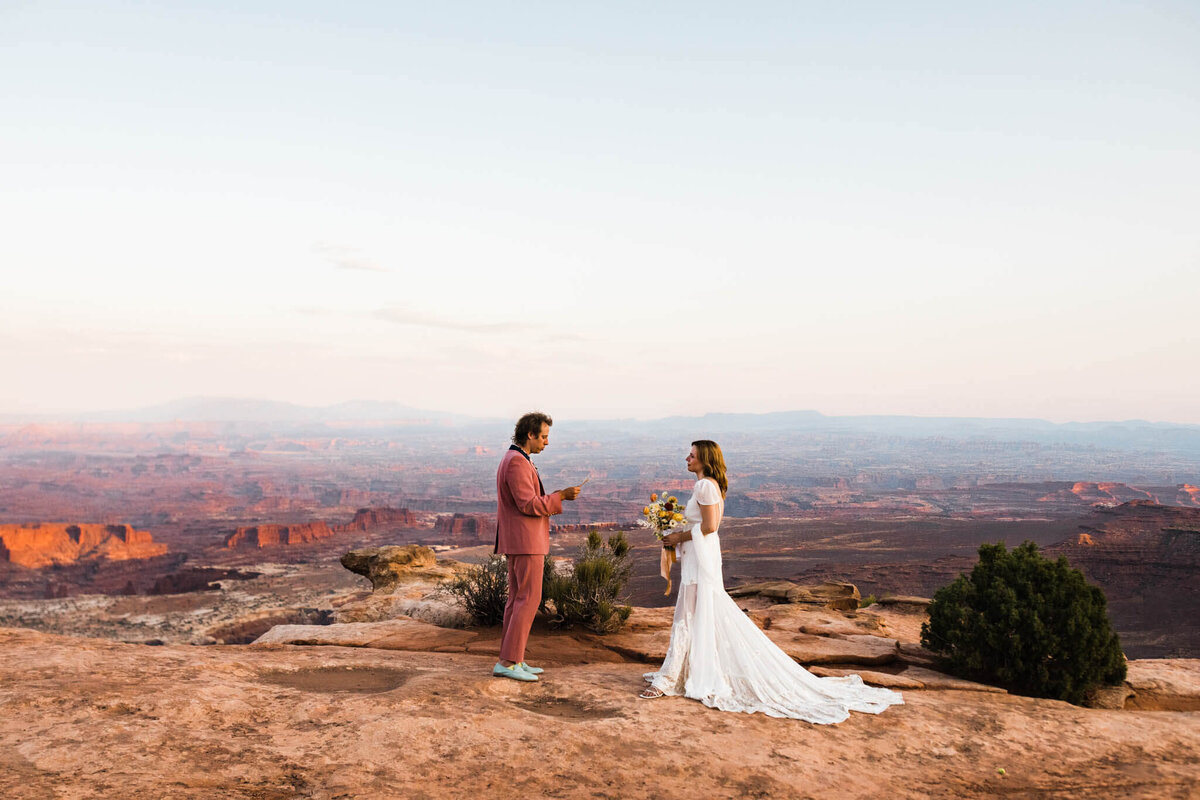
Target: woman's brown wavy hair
pixel 713 461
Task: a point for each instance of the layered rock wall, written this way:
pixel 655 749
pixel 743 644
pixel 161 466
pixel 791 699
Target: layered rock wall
pixel 367 518
pixel 1146 558
pixel 480 527
pixel 46 543
pixel 274 535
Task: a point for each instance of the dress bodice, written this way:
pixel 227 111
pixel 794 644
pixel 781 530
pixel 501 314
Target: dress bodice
pixel 705 491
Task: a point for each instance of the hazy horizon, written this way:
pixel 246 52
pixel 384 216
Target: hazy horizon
pixel 261 406
pixel 627 211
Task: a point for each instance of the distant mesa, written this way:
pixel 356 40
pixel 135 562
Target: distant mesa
pixel 480 527
pixel 1187 495
pixel 46 543
pixel 274 535
pixel 365 519
pixel 1108 494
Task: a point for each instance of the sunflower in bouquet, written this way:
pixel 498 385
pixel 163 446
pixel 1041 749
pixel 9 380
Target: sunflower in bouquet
pixel 662 514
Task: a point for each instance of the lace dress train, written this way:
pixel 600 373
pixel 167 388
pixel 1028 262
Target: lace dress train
pixel 718 656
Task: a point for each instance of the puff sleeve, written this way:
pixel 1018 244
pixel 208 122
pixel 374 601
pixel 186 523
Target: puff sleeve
pixel 707 493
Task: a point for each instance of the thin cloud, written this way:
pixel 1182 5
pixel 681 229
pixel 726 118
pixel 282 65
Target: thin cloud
pixel 346 258
pixel 404 316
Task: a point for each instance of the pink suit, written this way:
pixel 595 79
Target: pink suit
pixel 523 511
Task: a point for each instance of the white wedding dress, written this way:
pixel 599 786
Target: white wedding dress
pixel 718 656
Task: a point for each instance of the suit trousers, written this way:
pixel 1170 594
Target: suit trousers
pixel 524 597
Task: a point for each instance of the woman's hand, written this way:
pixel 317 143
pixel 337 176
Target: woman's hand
pixel 673 539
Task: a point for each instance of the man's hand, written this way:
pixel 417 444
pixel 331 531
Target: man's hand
pixel 569 493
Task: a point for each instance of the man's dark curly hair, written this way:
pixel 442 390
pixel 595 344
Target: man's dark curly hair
pixel 530 423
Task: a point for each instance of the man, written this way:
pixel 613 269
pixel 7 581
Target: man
pixel 523 511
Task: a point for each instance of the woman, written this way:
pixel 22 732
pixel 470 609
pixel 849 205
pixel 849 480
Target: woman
pixel 717 655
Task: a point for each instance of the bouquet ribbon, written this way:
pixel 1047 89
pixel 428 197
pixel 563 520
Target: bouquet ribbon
pixel 664 566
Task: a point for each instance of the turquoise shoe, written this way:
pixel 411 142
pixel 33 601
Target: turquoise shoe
pixel 531 670
pixel 515 672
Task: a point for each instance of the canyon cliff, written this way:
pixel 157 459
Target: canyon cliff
pixel 46 543
pixel 273 535
pixel 365 520
pixel 1146 558
pixel 471 527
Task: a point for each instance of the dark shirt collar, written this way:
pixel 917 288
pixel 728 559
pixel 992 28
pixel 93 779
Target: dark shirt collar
pixel 520 450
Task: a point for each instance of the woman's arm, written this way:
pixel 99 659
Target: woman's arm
pixel 710 520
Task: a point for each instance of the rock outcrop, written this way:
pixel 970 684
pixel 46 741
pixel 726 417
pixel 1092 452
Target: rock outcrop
pixel 392 634
pixel 43 544
pixel 837 595
pixel 405 581
pixel 386 567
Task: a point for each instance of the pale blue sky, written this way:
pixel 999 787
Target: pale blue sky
pixel 971 209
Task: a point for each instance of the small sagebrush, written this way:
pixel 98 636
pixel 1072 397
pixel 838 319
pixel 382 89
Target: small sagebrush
pixel 483 590
pixel 590 594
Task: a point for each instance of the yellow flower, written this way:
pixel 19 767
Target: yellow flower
pixel 678 517
pixel 663 514
pixel 646 510
pixel 672 499
pixel 653 497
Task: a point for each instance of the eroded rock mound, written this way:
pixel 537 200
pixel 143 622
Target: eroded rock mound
pixel 387 566
pixel 406 580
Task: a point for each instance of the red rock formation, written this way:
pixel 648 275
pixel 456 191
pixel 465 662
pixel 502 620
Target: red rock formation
pixel 480 527
pixel 367 518
pixel 42 544
pixel 273 535
pixel 1109 492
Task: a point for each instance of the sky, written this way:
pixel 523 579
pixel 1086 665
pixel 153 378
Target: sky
pixel 603 210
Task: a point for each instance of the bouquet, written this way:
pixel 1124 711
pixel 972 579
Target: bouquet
pixel 660 516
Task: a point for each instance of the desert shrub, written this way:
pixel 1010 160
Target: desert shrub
pixel 869 600
pixel 1031 625
pixel 589 594
pixel 483 590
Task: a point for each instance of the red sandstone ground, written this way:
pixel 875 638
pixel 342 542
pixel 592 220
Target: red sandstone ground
pixel 87 718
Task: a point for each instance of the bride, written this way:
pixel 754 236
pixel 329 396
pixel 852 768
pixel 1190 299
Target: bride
pixel 717 655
